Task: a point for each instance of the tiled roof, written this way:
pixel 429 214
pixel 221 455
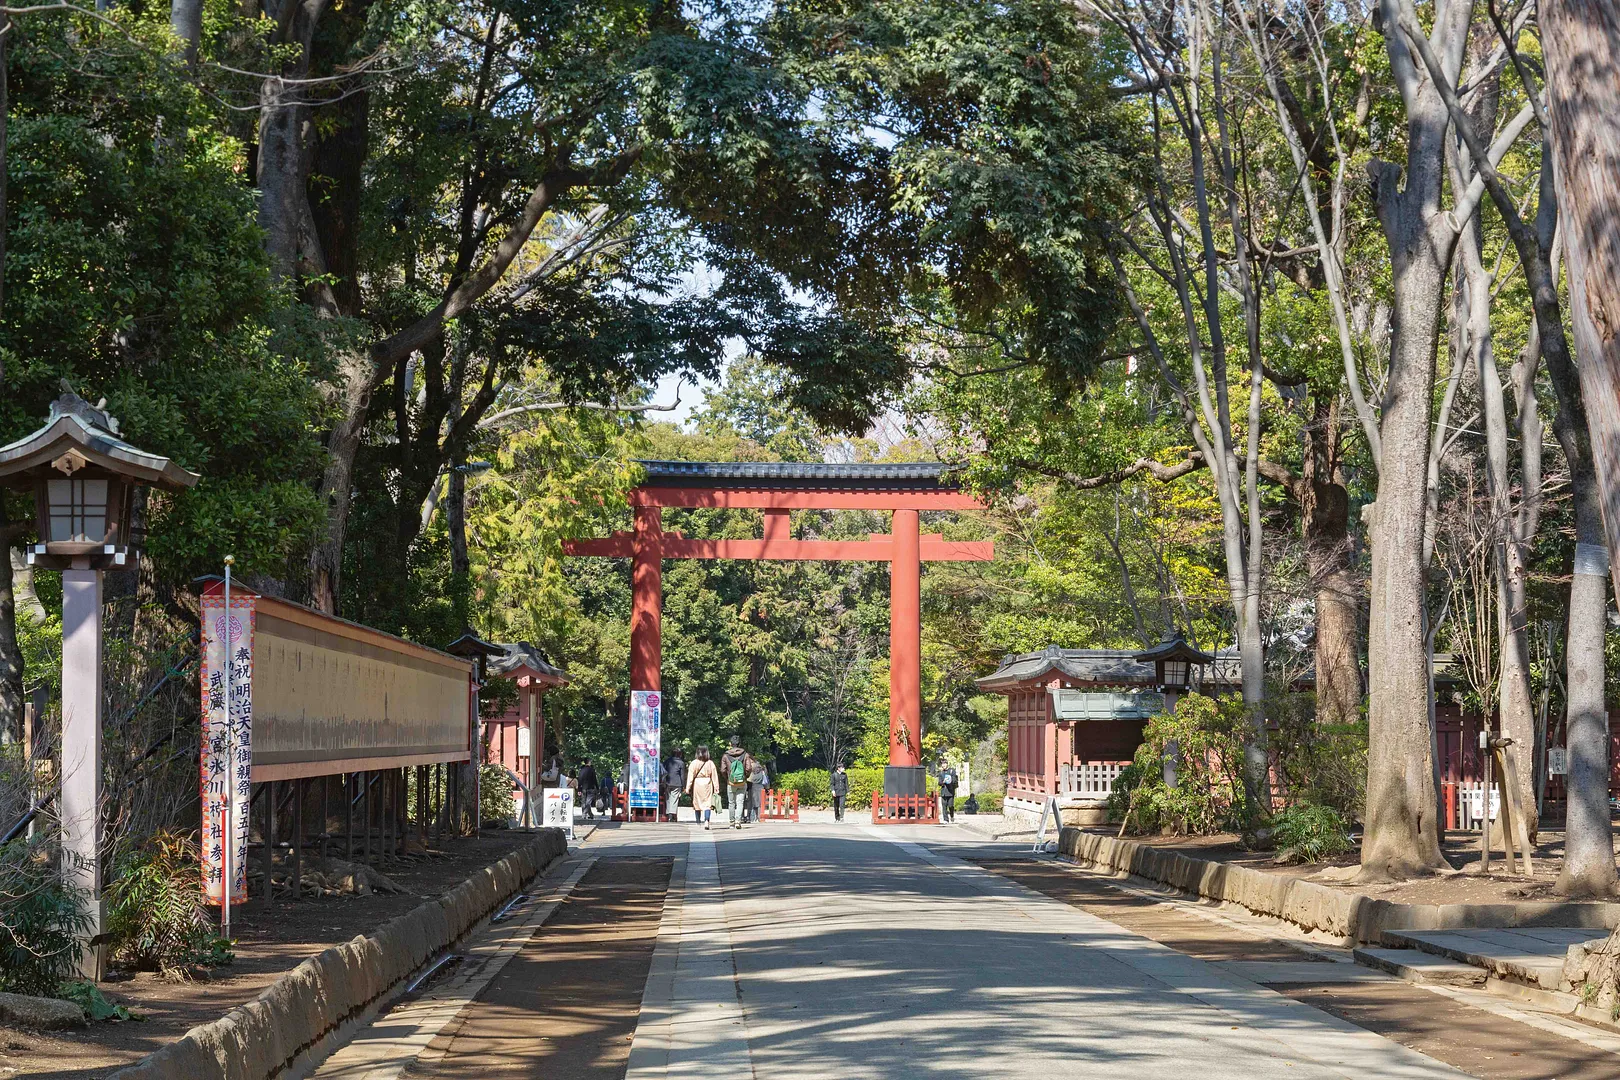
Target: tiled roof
pixel 1108 666
pixel 913 476
pixel 522 654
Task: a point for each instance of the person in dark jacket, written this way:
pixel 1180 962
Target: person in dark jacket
pixel 947 793
pixel 840 791
pixel 587 788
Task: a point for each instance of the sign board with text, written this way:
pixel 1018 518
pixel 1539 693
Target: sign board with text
pixel 646 721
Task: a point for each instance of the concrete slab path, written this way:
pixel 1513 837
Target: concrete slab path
pixel 860 953
pixel 812 950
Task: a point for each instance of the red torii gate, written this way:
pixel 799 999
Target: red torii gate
pixel 779 488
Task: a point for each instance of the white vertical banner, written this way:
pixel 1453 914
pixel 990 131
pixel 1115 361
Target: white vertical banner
pixel 646 716
pixel 227 742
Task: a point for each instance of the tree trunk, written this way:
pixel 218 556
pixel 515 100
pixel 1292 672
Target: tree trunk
pixel 1508 551
pixel 185 17
pixel 1581 42
pixel 355 375
pixel 1402 836
pixel 1588 839
pixel 1325 509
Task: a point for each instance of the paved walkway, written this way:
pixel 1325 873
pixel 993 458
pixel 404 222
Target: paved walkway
pixel 859 953
pixel 814 950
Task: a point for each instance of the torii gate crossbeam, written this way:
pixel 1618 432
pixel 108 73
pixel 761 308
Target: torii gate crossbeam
pixel 778 488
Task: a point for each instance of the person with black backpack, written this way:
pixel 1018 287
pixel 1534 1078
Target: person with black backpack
pixel 736 765
pixel 947 792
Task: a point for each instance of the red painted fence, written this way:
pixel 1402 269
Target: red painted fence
pixel 905 810
pixel 779 804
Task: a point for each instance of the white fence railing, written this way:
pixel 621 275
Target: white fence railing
pixel 1091 780
pixel 1471 804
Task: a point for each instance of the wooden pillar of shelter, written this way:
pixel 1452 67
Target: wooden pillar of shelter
pixel 646 599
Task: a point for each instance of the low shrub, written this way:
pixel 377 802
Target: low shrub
pixel 815 786
pixel 1209 737
pixel 497 795
pixel 1309 833
pixel 41 920
pixel 1318 763
pixel 989 802
pixel 154 912
pixel 88 996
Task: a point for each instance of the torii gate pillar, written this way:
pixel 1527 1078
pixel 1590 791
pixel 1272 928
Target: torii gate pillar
pixel 904 775
pixel 646 599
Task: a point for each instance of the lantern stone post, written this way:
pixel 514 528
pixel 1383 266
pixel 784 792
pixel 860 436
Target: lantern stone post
pixel 83 476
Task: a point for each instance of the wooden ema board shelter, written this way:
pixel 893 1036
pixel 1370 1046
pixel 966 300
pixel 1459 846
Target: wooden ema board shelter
pixel 778 488
pixel 331 697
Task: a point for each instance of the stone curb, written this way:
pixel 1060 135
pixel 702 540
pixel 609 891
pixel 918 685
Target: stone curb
pixel 265 1036
pixel 1349 916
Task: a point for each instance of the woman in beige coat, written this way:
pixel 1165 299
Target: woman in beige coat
pixel 704 784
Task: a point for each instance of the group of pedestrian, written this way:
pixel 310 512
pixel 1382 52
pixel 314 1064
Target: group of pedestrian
pixel 742 777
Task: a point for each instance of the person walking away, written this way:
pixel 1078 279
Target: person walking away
pixel 676 778
pixel 756 790
pixel 840 791
pixel 587 788
pixel 947 792
pixel 704 784
pixel 735 766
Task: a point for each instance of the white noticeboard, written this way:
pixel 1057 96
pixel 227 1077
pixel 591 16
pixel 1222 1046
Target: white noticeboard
pixel 1557 761
pixel 226 773
pixel 557 809
pixel 646 718
pixel 1476 801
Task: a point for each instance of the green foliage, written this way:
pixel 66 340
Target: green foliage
pixel 154 912
pixel 88 996
pixel 41 920
pixel 1310 833
pixel 135 271
pixel 990 802
pixel 1208 797
pixel 815 786
pixel 1318 763
pixel 497 796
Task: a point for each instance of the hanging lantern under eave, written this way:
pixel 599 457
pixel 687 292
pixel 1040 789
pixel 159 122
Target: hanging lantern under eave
pixel 83 476
pixel 1173 661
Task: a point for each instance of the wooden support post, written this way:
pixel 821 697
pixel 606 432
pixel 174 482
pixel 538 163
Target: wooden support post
pixel 348 817
pixel 298 839
pixel 326 812
pixel 365 818
pixel 421 805
pixel 1485 814
pixel 269 790
pixel 385 813
pixel 1521 828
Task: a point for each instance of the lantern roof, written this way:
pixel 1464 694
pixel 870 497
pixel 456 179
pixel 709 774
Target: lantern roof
pixel 1173 646
pixel 471 645
pixel 519 656
pixel 78 434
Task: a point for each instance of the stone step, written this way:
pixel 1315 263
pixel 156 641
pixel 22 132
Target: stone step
pixel 1532 956
pixel 1415 966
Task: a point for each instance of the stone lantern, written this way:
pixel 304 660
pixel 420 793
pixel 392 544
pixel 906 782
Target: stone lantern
pixel 83 477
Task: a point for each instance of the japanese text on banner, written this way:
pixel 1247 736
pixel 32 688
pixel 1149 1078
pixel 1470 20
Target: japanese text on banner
pixel 227 742
pixel 645 721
